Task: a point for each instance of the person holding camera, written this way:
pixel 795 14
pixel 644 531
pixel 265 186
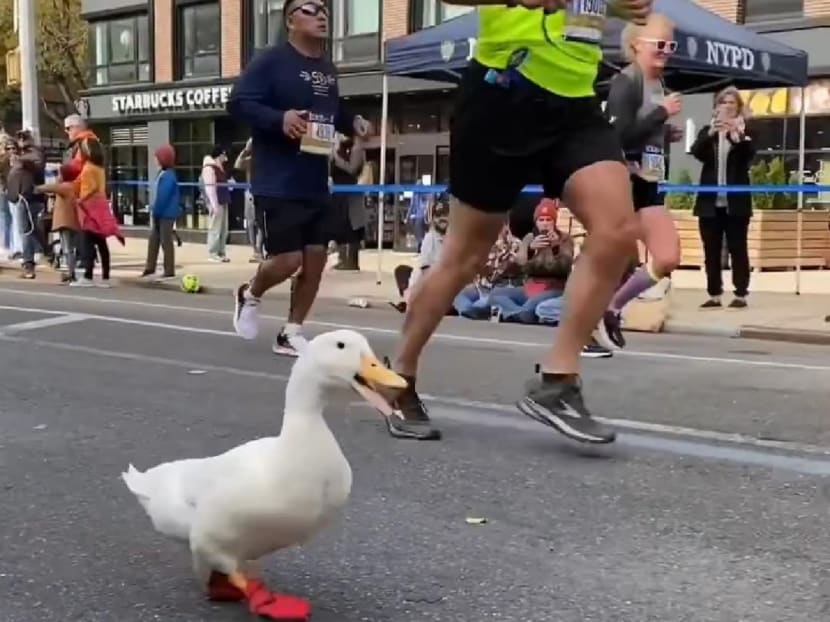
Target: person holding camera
pixel 546 255
pixel 726 151
pixel 26 172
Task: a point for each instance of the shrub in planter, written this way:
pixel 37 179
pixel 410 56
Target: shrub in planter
pixel 681 200
pixel 772 173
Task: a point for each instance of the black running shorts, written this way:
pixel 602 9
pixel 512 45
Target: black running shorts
pixel 503 138
pixel 290 225
pixel 645 193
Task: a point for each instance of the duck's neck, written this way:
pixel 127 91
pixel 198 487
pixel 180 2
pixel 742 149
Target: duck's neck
pixel 303 400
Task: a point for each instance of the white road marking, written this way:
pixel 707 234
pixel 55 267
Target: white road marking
pixel 479 413
pixel 386 331
pixel 58 320
pixel 124 320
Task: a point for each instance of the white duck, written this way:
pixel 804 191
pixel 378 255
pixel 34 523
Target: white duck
pixel 270 493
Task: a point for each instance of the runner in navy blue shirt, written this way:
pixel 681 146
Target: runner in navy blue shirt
pixel 288 96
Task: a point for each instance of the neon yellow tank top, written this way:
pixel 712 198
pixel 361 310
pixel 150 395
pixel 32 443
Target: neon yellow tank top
pixel 566 65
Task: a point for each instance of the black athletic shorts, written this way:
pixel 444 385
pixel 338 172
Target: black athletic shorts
pixel 502 139
pixel 289 225
pixel 645 193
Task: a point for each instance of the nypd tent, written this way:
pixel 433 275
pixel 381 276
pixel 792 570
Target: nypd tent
pixel 711 51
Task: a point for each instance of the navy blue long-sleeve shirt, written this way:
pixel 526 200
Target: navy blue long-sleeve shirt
pixel 279 79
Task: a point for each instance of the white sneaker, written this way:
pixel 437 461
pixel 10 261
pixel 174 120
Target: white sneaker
pixel 289 345
pixel 82 282
pixel 658 291
pixel 103 284
pixel 215 259
pixel 245 313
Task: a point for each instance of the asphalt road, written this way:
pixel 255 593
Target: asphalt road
pixel 712 506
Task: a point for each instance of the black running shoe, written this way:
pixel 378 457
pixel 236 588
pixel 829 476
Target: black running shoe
pixel 285 345
pixel 609 332
pixel 712 303
pixel 559 404
pixel 738 303
pixel 595 351
pixel 408 417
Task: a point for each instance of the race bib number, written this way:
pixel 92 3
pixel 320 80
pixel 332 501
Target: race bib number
pixel 318 139
pixel 652 165
pixel 585 21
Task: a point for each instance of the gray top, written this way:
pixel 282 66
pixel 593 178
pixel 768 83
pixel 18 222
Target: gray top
pixel 635 111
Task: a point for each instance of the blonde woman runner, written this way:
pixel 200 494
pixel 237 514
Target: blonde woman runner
pixel 639 107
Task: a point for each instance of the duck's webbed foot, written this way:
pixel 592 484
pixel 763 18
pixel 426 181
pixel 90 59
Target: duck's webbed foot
pixel 220 589
pixel 268 604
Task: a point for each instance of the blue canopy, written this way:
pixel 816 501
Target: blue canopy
pixel 711 51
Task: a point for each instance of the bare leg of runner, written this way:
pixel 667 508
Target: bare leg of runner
pixel 470 237
pixel 274 271
pixel 658 233
pixel 307 284
pixel 608 217
pixel 600 197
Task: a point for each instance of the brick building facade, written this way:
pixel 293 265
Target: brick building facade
pixel 162 70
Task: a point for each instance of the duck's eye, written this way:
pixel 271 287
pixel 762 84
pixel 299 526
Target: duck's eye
pixel 341 345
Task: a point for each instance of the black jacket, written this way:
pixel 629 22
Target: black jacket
pixel 739 204
pixel 25 174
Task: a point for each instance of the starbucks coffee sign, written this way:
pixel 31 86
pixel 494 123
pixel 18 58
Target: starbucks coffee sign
pixel 173 100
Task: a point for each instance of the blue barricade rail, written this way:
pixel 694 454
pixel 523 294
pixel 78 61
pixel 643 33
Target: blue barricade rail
pixel 421 189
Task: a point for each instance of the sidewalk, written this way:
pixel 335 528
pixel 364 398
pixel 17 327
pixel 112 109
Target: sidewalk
pixel 774 313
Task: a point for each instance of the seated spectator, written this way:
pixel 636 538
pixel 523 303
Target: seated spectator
pixel 547 256
pixel 405 276
pixel 549 311
pixel 501 270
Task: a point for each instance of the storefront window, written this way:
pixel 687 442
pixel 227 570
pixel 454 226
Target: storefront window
pixel 426 13
pixel 442 164
pixel 120 50
pixel 356 28
pixel 127 169
pixel 421 114
pixel 267 22
pixel 772 10
pixel 194 140
pixel 767 134
pixel 200 27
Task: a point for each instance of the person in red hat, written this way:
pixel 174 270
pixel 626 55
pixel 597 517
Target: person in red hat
pixel 546 256
pixel 165 211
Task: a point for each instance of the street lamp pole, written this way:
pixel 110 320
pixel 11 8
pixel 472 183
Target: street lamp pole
pixel 27 27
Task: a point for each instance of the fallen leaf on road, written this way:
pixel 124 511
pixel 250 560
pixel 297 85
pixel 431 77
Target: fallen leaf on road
pixel 476 521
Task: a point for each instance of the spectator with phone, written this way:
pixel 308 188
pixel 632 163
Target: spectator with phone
pixel 27 171
pixel 546 255
pixel 726 151
pixel 501 270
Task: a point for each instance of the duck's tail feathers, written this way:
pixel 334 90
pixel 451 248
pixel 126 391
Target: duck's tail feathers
pixel 134 479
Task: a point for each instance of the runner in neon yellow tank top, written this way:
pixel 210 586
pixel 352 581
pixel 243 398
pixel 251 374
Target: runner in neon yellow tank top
pixel 526 112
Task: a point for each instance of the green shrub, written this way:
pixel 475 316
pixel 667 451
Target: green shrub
pixel 771 173
pixel 681 200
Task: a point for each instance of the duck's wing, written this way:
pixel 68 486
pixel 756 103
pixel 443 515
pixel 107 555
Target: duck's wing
pixel 169 492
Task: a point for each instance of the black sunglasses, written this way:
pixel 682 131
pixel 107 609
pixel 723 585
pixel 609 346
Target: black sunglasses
pixel 312 9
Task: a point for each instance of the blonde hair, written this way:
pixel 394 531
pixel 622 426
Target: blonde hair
pixel 632 31
pixel 730 91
